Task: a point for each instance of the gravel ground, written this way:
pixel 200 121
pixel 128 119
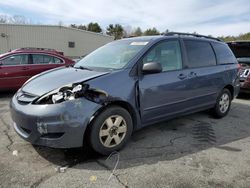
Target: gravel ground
pixel 192 151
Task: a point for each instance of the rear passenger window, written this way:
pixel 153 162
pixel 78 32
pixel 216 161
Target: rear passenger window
pixel 224 54
pixel 45 59
pixel 199 54
pixel 38 59
pixel 57 60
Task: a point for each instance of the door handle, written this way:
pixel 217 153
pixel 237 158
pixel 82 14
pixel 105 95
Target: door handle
pixel 182 76
pixel 25 68
pixel 192 74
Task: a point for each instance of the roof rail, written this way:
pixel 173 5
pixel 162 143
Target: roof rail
pixel 190 34
pixel 33 48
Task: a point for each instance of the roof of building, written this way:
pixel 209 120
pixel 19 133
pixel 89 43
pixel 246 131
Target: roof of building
pixel 58 26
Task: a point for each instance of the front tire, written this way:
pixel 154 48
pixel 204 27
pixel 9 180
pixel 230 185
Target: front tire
pixel 110 130
pixel 223 104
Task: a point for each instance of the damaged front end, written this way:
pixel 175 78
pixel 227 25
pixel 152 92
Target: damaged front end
pixel 72 92
pixel 57 116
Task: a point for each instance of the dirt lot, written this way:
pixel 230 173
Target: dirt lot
pixel 192 151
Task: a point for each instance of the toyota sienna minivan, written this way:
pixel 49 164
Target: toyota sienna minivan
pixel 124 86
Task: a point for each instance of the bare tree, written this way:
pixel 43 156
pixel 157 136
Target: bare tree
pixel 3 18
pixel 16 19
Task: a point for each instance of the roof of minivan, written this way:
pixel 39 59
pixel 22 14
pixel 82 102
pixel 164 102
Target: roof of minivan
pixel 156 37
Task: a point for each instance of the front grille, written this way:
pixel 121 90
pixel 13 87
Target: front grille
pixel 52 135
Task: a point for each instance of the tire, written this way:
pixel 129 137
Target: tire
pixel 223 104
pixel 110 130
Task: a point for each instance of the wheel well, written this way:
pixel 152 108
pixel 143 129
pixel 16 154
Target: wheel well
pixel 231 89
pixel 124 105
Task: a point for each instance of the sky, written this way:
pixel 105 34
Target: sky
pixel 214 17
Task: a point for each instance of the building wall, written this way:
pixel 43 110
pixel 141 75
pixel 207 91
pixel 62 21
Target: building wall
pixel 55 37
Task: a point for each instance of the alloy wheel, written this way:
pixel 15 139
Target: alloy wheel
pixel 113 131
pixel 224 103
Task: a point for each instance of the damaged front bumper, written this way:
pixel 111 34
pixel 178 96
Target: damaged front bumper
pixel 59 125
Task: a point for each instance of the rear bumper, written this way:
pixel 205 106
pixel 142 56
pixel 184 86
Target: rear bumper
pixel 244 90
pixel 55 125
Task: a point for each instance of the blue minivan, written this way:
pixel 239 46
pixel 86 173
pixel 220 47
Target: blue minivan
pixel 124 86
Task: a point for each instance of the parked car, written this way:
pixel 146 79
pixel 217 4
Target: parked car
pixel 241 50
pixel 124 86
pixel 17 66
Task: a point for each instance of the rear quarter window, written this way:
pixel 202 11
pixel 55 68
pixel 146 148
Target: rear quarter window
pixel 199 54
pixel 224 54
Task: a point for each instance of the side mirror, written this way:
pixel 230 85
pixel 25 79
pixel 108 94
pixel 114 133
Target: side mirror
pixel 151 68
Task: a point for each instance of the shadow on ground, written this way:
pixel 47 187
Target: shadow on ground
pixel 6 94
pixel 160 142
pixel 165 141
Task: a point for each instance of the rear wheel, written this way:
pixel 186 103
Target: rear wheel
pixel 111 130
pixel 223 104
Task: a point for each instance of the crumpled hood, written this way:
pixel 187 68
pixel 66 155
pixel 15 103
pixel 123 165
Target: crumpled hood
pixel 53 79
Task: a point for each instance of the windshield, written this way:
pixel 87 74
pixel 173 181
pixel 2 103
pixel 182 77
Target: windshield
pixel 114 55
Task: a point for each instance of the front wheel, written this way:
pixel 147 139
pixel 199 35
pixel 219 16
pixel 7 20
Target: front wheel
pixel 223 104
pixel 110 130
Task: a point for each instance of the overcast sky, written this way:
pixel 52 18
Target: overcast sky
pixel 215 17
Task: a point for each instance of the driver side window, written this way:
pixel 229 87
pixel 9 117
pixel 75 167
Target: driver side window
pixel 168 54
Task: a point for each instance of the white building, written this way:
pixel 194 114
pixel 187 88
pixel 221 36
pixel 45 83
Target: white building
pixel 72 42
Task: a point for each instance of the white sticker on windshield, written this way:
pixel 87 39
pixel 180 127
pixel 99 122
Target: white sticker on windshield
pixel 138 43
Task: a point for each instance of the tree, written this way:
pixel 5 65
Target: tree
pixel 152 31
pixel 3 19
pixel 82 27
pixel 138 32
pixel 115 30
pixel 16 19
pixel 245 36
pixel 94 27
pixel 73 26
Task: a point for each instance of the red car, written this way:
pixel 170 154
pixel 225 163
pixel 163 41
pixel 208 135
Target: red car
pixel 17 66
pixel 241 50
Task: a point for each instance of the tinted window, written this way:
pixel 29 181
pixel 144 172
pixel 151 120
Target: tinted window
pixel 45 59
pixel 15 60
pixel 48 59
pixel 199 53
pixel 224 54
pixel 57 60
pixel 37 59
pixel 168 54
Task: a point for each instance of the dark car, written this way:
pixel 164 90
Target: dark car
pixel 17 66
pixel 241 50
pixel 124 86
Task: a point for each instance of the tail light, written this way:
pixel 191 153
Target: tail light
pixel 248 78
pixel 239 67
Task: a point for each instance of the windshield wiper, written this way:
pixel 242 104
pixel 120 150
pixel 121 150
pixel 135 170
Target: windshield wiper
pixel 83 68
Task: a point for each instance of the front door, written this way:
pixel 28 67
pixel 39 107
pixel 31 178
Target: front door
pixel 14 71
pixel 163 94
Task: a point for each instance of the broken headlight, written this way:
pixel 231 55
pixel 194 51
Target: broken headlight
pixel 63 94
pixel 72 92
